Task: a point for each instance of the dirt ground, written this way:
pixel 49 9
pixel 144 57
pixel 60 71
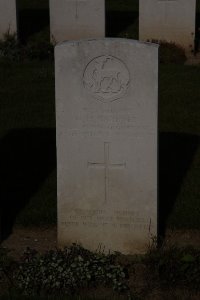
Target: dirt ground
pixel 43 239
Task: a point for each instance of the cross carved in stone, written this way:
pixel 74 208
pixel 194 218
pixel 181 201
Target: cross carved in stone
pixel 76 5
pixel 106 165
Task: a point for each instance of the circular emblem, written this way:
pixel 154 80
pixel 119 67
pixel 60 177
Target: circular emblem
pixel 106 78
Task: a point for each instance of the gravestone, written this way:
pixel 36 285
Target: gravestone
pixel 8 17
pixel 168 20
pixel 106 111
pixel 76 19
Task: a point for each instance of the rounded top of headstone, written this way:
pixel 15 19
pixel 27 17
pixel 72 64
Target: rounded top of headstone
pixel 101 40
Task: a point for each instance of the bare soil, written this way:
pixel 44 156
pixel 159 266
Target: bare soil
pixel 43 239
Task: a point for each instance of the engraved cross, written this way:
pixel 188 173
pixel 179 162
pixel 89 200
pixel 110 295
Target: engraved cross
pixel 77 3
pixel 106 165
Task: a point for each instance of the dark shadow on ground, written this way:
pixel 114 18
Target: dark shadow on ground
pixel 197 34
pixel 117 21
pixel 176 152
pixel 27 156
pixel 197 20
pixel 31 21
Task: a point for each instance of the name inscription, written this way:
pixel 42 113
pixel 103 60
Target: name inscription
pixel 127 220
pixel 107 123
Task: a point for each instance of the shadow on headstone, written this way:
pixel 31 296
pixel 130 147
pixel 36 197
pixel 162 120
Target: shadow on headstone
pixel 27 156
pixel 31 21
pixel 118 21
pixel 176 152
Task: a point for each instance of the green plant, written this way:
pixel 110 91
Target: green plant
pixel 67 271
pixel 10 48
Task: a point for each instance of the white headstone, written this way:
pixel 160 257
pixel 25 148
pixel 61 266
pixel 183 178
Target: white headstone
pixel 168 20
pixel 106 111
pixel 8 17
pixel 76 19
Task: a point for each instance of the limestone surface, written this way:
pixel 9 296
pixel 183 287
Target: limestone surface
pixel 8 17
pixel 76 19
pixel 168 20
pixel 106 115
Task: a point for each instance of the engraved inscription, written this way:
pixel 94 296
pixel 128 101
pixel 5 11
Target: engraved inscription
pixel 106 165
pixel 106 78
pixel 120 220
pixel 107 119
pixel 108 123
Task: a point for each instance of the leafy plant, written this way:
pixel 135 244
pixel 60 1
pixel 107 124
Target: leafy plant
pixel 67 271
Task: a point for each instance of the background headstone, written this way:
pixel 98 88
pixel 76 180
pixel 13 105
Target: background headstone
pixel 106 110
pixel 77 19
pixel 168 20
pixel 8 17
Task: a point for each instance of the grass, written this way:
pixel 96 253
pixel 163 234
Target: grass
pixel 179 99
pixel 179 113
pixel 27 95
pixel 28 141
pixel 179 126
pixel 27 133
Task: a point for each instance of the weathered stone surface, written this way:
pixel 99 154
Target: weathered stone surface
pixel 168 20
pixel 77 19
pixel 8 19
pixel 106 110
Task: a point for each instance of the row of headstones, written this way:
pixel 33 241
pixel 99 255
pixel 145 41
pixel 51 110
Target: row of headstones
pixel 69 19
pixel 169 20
